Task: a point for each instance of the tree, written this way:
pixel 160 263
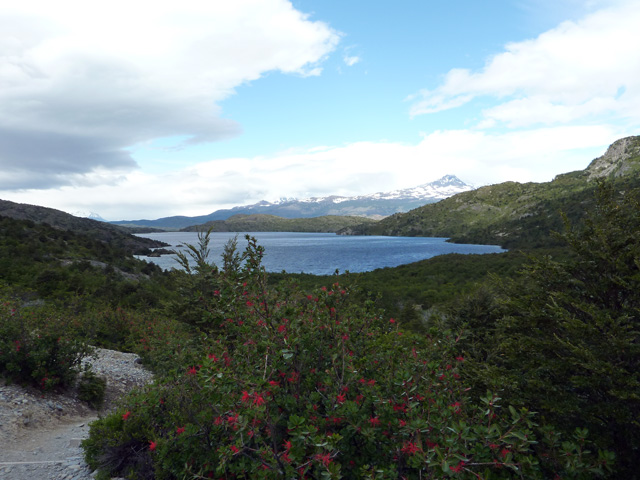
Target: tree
pixel 564 338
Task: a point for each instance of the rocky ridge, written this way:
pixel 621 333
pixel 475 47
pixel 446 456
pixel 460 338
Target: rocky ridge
pixel 619 159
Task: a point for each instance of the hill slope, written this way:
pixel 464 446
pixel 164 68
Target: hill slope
pixel 117 237
pixel 272 223
pixel 515 214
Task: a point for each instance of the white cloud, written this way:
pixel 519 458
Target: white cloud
pixel 351 60
pixel 475 156
pixel 82 81
pixel 572 72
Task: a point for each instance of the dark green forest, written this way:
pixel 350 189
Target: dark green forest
pixel 524 364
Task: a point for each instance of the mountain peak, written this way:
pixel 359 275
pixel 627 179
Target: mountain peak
pixel 448 181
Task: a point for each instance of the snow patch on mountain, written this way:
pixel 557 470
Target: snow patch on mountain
pixel 445 187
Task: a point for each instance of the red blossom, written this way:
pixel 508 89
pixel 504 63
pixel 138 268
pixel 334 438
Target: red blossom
pixel 192 371
pixel 152 445
pixel 457 468
pixel 126 415
pixel 374 421
pixel 324 459
pixel 179 430
pixel 341 398
pixel 410 448
pixel 234 449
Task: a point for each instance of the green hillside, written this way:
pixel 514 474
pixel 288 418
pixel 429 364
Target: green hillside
pixel 272 223
pixel 515 214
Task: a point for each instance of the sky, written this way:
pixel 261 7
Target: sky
pixel 145 109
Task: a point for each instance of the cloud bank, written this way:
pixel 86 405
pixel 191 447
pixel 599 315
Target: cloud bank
pixel 80 82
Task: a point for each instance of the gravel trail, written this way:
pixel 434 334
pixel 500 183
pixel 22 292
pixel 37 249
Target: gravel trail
pixel 40 434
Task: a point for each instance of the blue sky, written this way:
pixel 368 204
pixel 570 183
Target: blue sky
pixel 142 110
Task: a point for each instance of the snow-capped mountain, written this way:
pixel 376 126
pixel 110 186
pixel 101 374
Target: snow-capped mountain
pixel 375 205
pixel 429 192
pixel 91 215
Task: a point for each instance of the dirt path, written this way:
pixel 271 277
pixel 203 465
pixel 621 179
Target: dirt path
pixel 40 434
pixel 50 452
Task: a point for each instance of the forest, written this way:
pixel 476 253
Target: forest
pixel 524 364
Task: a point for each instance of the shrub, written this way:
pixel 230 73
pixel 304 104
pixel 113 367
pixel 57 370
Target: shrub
pixel 91 388
pixel 38 346
pixel 317 386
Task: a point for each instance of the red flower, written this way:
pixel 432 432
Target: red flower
pixel 410 448
pixel 179 430
pixel 457 468
pixel 324 459
pixel 341 398
pixel 374 421
pixel 126 415
pixel 192 371
pixel 234 449
pixel 258 399
pixel 152 445
pixel 246 397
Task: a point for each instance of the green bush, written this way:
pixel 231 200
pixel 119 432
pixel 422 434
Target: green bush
pixel 91 389
pixel 38 346
pixel 319 386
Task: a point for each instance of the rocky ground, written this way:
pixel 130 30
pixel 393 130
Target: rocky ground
pixel 40 433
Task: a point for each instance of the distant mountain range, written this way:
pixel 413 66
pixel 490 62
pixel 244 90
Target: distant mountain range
pixel 375 205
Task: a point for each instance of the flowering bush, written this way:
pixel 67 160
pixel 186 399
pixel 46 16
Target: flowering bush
pixel 38 347
pixel 313 386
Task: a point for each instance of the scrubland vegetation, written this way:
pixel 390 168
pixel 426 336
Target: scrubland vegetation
pixel 518 365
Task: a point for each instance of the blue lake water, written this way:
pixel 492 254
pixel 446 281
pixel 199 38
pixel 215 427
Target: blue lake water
pixel 322 253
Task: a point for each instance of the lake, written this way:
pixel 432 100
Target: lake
pixel 322 253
